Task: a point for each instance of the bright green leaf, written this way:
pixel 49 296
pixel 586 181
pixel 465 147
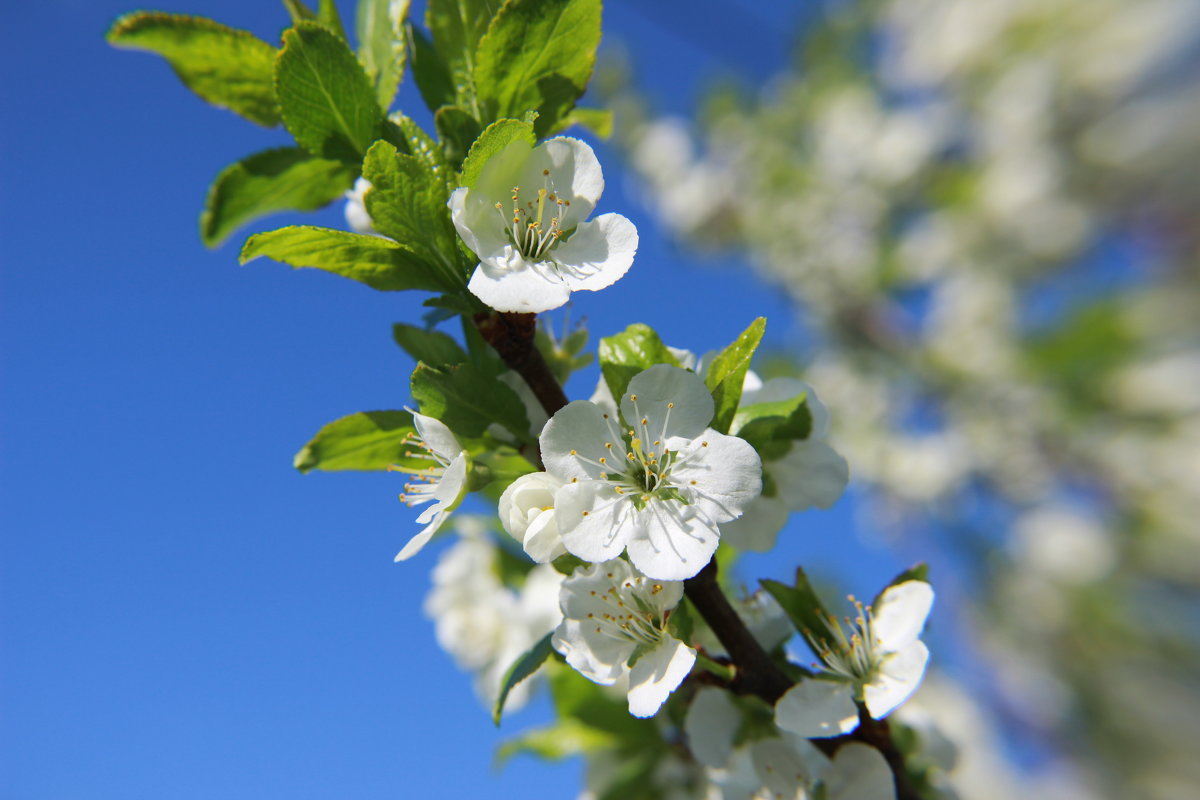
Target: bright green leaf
pixel 804 608
pixel 626 354
pixel 370 440
pixel 327 100
pixel 423 147
pixel 727 372
pixel 772 426
pixel 456 27
pixel 429 70
pixel 327 15
pixel 382 45
pixel 537 55
pixel 468 400
pixel 495 138
pixel 373 260
pixel 432 347
pixel 563 739
pixel 521 669
pixel 458 130
pixel 298 11
pixel 286 178
pixel 227 67
pixel 597 120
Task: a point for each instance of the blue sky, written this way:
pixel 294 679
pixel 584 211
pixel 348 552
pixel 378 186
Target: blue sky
pixel 182 615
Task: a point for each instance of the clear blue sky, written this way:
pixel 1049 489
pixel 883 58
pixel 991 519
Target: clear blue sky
pixel 183 615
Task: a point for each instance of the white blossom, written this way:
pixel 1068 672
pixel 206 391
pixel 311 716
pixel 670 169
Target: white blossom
pixel 443 482
pixel 657 486
pixel 525 220
pixel 880 664
pixel 792 769
pixel 527 513
pixel 612 614
pixel 356 209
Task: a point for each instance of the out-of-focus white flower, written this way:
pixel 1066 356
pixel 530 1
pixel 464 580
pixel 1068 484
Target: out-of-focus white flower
pixel 711 726
pixel 356 209
pixel 657 487
pixel 612 616
pixel 527 513
pixel 1064 545
pixel 792 769
pixel 525 220
pixel 444 481
pixel 880 664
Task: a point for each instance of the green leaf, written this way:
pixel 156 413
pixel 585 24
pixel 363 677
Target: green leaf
pixel 327 15
pixel 727 372
pixel 597 120
pixel 382 45
pixel 423 147
pixel 521 669
pixel 283 179
pixel 429 70
pixel 370 440
pixel 433 347
pixel 804 608
pixel 493 140
pixel 373 260
pixel 456 27
pixel 772 427
pixel 227 67
pixel 578 698
pixel 917 572
pixel 458 130
pixel 563 739
pixel 537 55
pixel 407 202
pixel 682 622
pixel 327 100
pixel 626 354
pixel 298 11
pixel 468 400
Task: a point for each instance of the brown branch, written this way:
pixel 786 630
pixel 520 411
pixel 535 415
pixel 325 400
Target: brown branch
pixel 511 335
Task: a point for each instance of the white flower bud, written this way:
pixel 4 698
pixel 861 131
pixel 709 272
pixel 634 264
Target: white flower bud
pixel 527 513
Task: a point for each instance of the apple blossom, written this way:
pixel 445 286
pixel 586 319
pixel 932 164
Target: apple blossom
pixel 444 481
pixel 879 665
pixel 527 513
pixel 614 625
pixel 525 220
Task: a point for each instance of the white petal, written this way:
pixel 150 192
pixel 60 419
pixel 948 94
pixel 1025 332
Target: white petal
pixel 598 253
pixel 501 172
pixel 670 542
pixel 758 526
pixel 900 613
pixel 575 175
pixel 436 435
pixel 543 543
pixel 526 511
pixel 579 426
pixel 517 285
pixel 860 772
pixel 657 674
pixel 711 725
pixel 810 474
pixel 662 384
pixel 595 522
pixel 899 676
pixel 782 770
pixel 816 709
pixel 602 397
pixel 599 659
pixel 416 543
pixel 452 486
pixel 720 474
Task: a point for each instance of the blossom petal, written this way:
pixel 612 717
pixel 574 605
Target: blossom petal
pixel 900 613
pixel 598 253
pixel 436 435
pixel 574 175
pixel 899 676
pixel 758 526
pixel 573 442
pixel 659 385
pixel 810 474
pixel 711 725
pixel 593 520
pixel 517 285
pixel 719 474
pixel 784 767
pixel 860 772
pixel 817 709
pixel 450 487
pixel 671 542
pixel 658 673
pixel 416 543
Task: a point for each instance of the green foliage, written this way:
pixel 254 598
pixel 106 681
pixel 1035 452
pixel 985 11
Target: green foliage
pixel 458 130
pixel 421 146
pixel 370 440
pixel 468 400
pixel 537 55
pixel 382 45
pixel 372 260
pixel 227 67
pixel 408 203
pixel 625 354
pixel 802 605
pixel 521 669
pixel 727 372
pixel 597 120
pixel 327 100
pixel 494 139
pixel 429 70
pixel 433 347
pixel 772 427
pixel 327 15
pixel 456 27
pixel 1092 341
pixel 298 11
pixel 566 356
pixel 282 179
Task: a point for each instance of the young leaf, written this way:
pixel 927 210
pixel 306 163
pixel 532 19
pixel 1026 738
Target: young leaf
pixel 327 100
pixel 537 55
pixel 727 372
pixel 597 120
pixel 382 45
pixel 468 400
pixel 803 607
pixel 373 260
pixel 458 130
pixel 298 11
pixel 626 354
pixel 432 347
pixel 566 737
pixel 283 179
pixel 327 15
pixel 495 137
pixel 456 27
pixel 429 70
pixel 521 669
pixel 772 426
pixel 227 67
pixel 369 440
pixel 423 147
pixel 408 203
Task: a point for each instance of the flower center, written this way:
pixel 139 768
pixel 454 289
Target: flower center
pixel 644 473
pixel 628 615
pixel 424 479
pixel 534 225
pixel 855 655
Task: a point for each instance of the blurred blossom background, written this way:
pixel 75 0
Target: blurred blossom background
pixel 985 215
